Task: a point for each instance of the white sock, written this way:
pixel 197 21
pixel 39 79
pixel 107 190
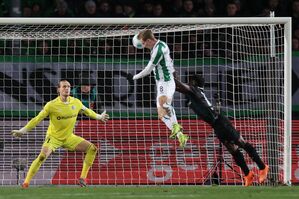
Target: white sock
pixel 175 121
pixel 167 122
pixel 173 118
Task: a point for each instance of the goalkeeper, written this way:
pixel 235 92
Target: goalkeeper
pixel 162 65
pixel 223 128
pixel 63 112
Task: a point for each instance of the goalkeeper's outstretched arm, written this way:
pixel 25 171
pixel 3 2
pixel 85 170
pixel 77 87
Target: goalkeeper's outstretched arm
pixel 90 113
pixel 181 87
pixel 32 123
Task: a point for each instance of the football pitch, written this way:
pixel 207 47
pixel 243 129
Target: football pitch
pixel 155 192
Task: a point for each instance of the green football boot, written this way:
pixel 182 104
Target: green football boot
pixel 175 129
pixel 183 140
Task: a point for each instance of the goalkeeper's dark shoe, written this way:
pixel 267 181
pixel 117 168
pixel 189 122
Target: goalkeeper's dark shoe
pixel 25 185
pixel 263 174
pixel 176 128
pixel 82 182
pixel 183 140
pixel 248 180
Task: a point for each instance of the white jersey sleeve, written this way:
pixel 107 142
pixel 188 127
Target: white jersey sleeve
pixel 151 64
pixel 160 62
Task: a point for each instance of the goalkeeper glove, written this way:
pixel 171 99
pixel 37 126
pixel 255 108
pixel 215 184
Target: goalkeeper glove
pixel 19 133
pixel 103 116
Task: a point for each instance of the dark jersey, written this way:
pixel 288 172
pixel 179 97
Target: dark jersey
pixel 223 128
pixel 199 103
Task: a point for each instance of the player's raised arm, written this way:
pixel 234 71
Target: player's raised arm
pixel 149 67
pixel 104 117
pixel 32 123
pixel 181 87
pixel 146 71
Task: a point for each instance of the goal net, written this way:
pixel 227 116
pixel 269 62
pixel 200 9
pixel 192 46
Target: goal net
pixel 246 66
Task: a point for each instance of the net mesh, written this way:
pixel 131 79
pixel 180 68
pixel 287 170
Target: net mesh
pixel 236 61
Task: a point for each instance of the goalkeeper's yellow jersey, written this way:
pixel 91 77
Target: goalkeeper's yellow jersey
pixel 62 116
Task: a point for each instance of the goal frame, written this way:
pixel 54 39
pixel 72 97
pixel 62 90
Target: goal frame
pixel 254 20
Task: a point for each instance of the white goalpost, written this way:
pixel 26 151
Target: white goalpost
pixel 246 63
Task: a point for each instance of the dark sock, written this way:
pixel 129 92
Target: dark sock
pixel 254 156
pixel 240 161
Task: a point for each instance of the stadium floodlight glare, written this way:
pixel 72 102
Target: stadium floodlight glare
pixel 247 61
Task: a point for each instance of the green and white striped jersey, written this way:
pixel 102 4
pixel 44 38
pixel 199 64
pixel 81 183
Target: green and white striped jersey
pixel 160 62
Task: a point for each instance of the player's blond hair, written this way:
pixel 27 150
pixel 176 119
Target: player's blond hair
pixel 146 34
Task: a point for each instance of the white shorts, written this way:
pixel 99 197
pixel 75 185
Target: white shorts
pixel 165 89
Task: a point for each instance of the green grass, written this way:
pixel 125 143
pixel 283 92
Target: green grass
pixel 155 192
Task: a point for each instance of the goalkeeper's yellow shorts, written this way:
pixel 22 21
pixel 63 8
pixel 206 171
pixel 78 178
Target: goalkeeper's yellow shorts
pixel 70 143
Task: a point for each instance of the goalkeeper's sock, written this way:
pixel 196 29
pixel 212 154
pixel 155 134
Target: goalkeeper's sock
pixel 34 167
pixel 240 161
pixel 254 155
pixel 88 160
